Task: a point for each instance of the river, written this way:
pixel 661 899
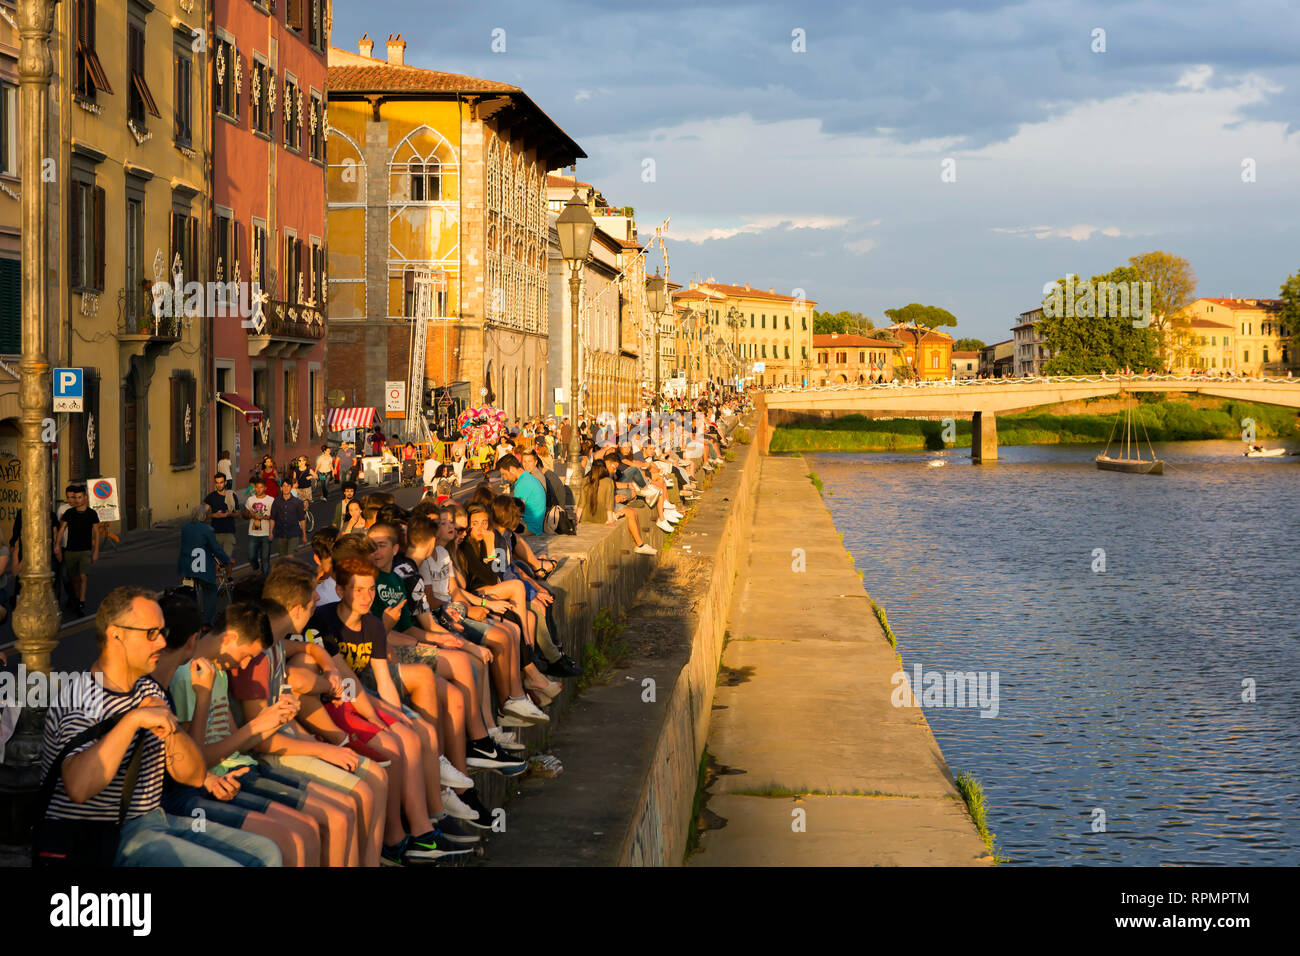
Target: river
pixel 1121 736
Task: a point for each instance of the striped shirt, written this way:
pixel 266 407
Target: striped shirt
pixel 86 709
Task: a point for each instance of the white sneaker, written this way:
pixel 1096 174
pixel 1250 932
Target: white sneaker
pixel 450 776
pixel 507 741
pixel 647 549
pixel 508 720
pixel 456 807
pixel 671 513
pixel 525 709
pixel 664 526
pixel 651 495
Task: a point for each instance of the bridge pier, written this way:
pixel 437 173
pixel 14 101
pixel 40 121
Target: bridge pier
pixel 984 437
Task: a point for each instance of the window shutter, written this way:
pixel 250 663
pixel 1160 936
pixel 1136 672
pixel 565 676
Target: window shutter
pixel 192 262
pixel 238 253
pixel 74 236
pixel 100 241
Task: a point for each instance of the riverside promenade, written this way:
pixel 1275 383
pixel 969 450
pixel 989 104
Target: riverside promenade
pixel 803 709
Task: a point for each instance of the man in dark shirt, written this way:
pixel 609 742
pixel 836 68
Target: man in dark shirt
pixel 222 507
pixel 83 544
pixel 288 520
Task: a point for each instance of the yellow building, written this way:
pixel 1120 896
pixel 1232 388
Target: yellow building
pixel 1200 344
pixel 440 173
pixel 1260 343
pixel 769 334
pixel 130 111
pixel 935 347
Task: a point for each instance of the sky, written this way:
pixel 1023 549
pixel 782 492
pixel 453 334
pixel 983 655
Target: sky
pixel 872 155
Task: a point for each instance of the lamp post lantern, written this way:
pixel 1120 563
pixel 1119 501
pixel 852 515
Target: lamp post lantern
pixel 574 227
pixel 36 619
pixel 655 294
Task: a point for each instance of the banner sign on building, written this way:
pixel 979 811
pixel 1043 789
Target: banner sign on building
pixel 395 399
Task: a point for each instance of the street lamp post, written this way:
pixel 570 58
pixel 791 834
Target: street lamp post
pixel 655 294
pixel 574 227
pixel 36 619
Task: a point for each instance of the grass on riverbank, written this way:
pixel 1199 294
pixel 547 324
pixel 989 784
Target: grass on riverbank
pixel 884 624
pixel 1164 421
pixel 973 794
pixel 606 652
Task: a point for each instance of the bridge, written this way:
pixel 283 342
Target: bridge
pixel 981 399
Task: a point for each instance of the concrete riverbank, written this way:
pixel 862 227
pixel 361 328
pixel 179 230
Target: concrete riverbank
pixel 822 768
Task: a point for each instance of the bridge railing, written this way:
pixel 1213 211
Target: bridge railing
pixel 977 383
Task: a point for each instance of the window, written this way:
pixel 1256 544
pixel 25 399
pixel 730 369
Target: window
pixel 293 288
pixel 11 301
pixel 184 241
pixel 291 422
pixel 316 23
pixel 137 291
pixel 86 237
pixel 1265 355
pixel 184 75
pixel 90 75
pixel 184 419
pixel 1245 355
pixel 223 75
pixel 751 320
pixel 787 321
pixel 805 323
pixel 9 130
pixel 259 272
pixel 263 81
pixel 764 321
pixel 140 101
pixel 787 351
pixel 292 114
pixel 934 360
pixel 862 357
pixel 293 14
pixel 426 181
pixel 805 351
pixel 316 384
pixel 317 129
pixel 262 399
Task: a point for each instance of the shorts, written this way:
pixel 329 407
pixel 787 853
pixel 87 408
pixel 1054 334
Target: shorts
pixel 413 654
pixel 302 767
pixel 227 542
pixel 261 786
pixel 345 715
pixel 282 545
pixel 474 631
pixel 182 801
pixel 76 563
pixel 395 670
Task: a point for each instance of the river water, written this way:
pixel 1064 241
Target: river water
pixel 1121 735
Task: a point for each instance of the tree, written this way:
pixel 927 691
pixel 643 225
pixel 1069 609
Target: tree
pixel 851 323
pixel 1289 317
pixel 1172 286
pixel 1101 342
pixel 967 345
pixel 931 316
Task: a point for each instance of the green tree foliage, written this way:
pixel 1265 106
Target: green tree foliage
pixel 1289 317
pixel 1086 345
pixel 931 316
pixel 1173 286
pixel 851 323
pixel 967 345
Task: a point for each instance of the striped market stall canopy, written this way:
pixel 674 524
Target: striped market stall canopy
pixel 341 419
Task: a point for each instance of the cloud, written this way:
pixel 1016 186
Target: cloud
pixel 1080 233
pixel 860 246
pixel 757 225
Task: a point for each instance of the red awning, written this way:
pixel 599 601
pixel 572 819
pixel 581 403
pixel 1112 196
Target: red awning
pixel 252 414
pixel 341 419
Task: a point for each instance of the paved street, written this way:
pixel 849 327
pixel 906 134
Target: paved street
pixel 149 559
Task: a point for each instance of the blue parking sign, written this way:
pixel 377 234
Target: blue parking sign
pixel 69 389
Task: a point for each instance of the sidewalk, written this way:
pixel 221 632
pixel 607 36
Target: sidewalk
pixel 803 718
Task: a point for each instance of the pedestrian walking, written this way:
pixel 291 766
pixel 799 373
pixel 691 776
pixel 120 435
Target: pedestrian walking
pixel 288 521
pixel 82 549
pixel 325 465
pixel 223 505
pixel 199 555
pixel 257 509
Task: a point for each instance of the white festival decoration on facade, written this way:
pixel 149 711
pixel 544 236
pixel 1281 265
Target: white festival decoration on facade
pixel 141 136
pixel 221 64
pixel 239 74
pixel 189 423
pixel 90 435
pixel 89 304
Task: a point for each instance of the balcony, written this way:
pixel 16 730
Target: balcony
pixel 136 321
pixel 290 329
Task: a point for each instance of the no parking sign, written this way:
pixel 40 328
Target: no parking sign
pixel 103 498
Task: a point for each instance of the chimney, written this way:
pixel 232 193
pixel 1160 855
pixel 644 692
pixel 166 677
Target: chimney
pixel 366 46
pixel 396 50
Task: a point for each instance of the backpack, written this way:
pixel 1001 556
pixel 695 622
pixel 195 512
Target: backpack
pixel 557 521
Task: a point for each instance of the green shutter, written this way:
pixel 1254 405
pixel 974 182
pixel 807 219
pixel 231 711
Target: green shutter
pixel 11 307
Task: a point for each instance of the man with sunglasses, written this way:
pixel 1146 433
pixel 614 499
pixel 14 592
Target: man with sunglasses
pixel 132 634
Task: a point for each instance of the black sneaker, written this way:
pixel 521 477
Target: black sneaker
pixel 392 855
pixel 566 666
pixel 457 831
pixel 430 847
pixel 471 800
pixel 486 755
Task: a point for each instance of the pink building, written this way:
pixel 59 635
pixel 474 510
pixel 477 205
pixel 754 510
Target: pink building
pixel 268 69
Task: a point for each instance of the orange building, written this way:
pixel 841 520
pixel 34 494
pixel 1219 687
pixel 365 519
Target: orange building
pixel 841 358
pixel 935 363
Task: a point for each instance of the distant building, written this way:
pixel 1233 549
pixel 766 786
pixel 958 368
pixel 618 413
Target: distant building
pixel 1260 342
pixel 935 361
pixel 998 360
pixel 1031 350
pixel 965 364
pixel 1199 344
pixel 853 358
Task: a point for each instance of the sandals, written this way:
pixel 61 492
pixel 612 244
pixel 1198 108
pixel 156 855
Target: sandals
pixel 544 572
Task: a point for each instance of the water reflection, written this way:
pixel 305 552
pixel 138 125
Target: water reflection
pixel 1121 691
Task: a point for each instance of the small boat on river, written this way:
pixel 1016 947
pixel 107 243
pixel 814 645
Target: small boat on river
pixel 1128 457
pixel 1259 451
